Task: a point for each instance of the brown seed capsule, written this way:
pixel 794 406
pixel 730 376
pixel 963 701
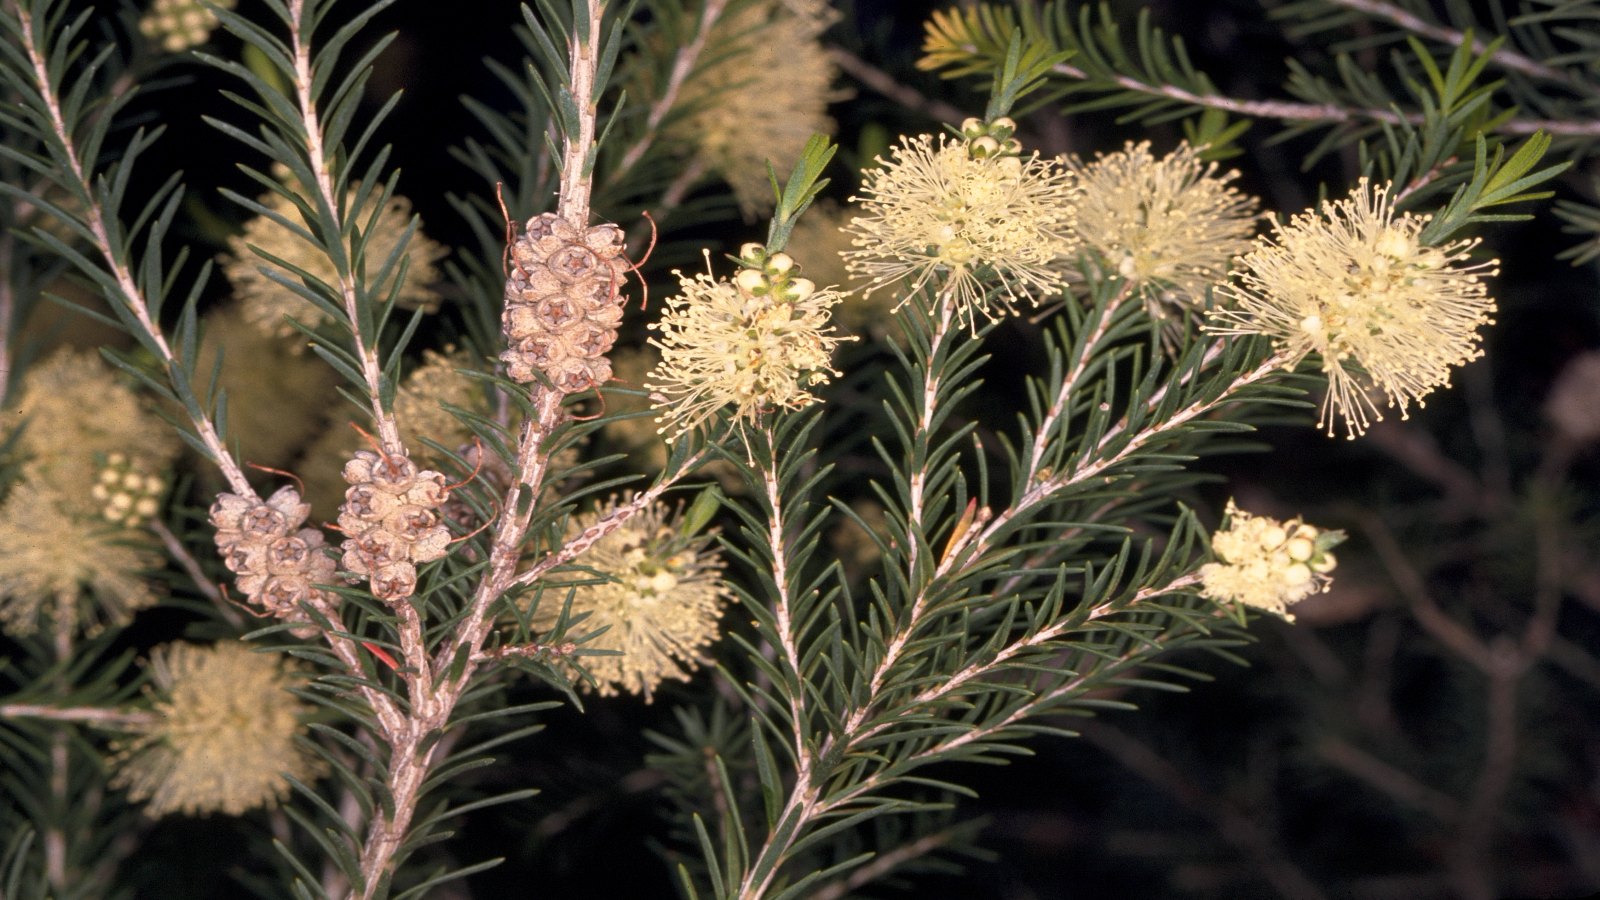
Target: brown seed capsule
pixel 391 521
pixel 275 561
pixel 563 304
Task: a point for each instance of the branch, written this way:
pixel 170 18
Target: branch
pixel 317 154
pixel 1506 59
pixel 783 612
pixel 99 716
pixel 1283 110
pixel 682 66
pixel 885 84
pixel 128 292
pixel 412 752
pixel 577 150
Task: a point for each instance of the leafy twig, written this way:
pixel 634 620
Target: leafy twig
pixel 123 282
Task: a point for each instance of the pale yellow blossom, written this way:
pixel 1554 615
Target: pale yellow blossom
pixel 1169 226
pixel 180 24
pixel 1353 284
pixel 996 227
pixel 268 304
pixel 723 345
pixel 759 92
pixel 222 736
pixel 63 566
pixel 443 379
pixel 75 412
pixel 660 601
pixel 1267 564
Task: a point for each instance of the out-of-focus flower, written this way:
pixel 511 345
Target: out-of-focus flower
pixel 659 603
pixel 419 405
pixel 75 412
pixel 1168 226
pixel 63 567
pixel 858 548
pixel 222 734
pixel 996 225
pixel 1353 284
pixel 180 24
pixel 1573 404
pixel 756 343
pixel 1268 564
pixel 266 303
pixel 817 12
pixel 760 92
pixel 269 419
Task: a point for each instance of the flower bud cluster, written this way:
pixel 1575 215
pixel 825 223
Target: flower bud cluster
pixel 562 303
pixel 771 275
pixel 128 497
pixel 992 138
pixel 277 561
pixel 391 520
pixel 1268 564
pixel 180 24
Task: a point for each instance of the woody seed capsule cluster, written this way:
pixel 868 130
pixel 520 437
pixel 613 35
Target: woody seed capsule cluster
pixel 391 518
pixel 562 304
pixel 276 560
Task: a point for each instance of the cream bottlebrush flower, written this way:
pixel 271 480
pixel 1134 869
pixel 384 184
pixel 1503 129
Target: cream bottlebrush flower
pixel 996 226
pixel 818 12
pixel 75 412
pixel 659 604
pixel 755 343
pixel 269 419
pixel 760 94
pixel 1267 564
pixel 1353 284
pixel 222 734
pixel 62 566
pixel 1168 226
pixel 266 303
pixel 180 24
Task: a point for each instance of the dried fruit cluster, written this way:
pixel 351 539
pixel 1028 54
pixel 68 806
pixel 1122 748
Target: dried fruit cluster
pixel 562 303
pixel 276 560
pixel 391 520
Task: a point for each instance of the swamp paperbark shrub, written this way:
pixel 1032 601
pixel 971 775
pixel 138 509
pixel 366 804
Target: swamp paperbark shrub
pixel 782 502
